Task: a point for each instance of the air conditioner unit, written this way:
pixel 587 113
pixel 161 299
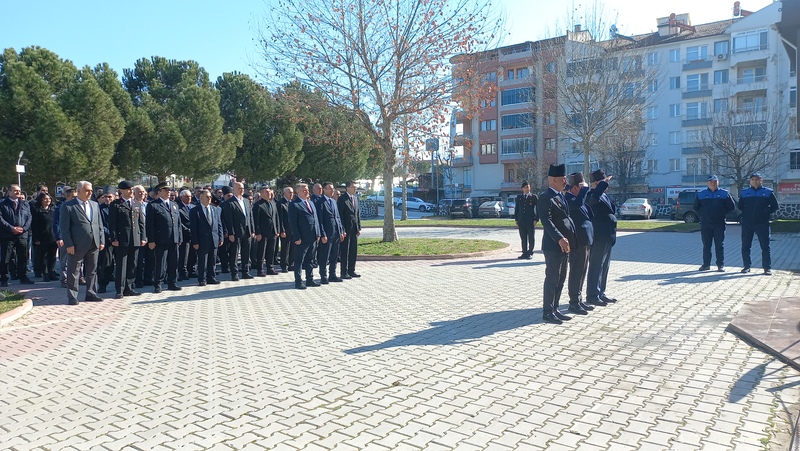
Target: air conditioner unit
pixel 722 57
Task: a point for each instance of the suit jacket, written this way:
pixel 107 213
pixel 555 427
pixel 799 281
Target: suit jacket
pixel 303 222
pixel 79 230
pixel 237 222
pixel 163 224
pixel 10 218
pixel 126 224
pixel 554 214
pixel 581 216
pixel 203 232
pixel 525 212
pixel 186 230
pixel 604 218
pixel 283 215
pixel 330 223
pixel 351 217
pixel 265 217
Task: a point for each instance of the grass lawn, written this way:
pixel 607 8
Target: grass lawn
pixel 786 226
pixel 12 301
pixel 425 246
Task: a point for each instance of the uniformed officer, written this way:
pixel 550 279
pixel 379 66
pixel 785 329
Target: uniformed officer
pixel 757 204
pixel 163 224
pixel 127 230
pixel 525 217
pixel 604 222
pixel 581 215
pixel 712 204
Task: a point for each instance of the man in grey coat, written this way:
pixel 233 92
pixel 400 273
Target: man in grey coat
pixel 82 232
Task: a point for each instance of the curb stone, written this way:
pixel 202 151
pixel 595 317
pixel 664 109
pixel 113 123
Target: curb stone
pixel 11 315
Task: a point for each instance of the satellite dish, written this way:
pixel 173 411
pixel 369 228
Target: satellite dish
pixel 614 30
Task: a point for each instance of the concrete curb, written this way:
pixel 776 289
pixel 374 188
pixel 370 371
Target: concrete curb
pixel 12 315
pixel 373 258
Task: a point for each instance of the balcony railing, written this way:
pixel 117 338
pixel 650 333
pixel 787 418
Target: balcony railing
pixel 754 79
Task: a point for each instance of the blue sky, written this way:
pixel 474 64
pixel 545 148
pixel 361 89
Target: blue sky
pixel 221 36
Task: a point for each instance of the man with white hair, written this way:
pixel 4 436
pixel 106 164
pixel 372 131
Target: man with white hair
pixel 82 232
pixel 187 255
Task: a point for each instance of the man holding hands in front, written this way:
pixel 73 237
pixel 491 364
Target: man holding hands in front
pixel 82 232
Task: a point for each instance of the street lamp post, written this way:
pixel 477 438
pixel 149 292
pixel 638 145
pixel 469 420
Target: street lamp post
pixel 20 169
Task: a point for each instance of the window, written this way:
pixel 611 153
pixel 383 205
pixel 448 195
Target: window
pixel 674 137
pixel 516 145
pixel 675 110
pixel 674 55
pixel 510 74
pixel 630 63
pixel 697 53
pixel 652 58
pixel 521 120
pixel 653 86
pixel 468 177
pixel 753 103
pixel 489 77
pixel 519 95
pixel 793 97
pixel 550 119
pixel 721 48
pixel 720 77
pixel 752 74
pixel 489 125
pixel 511 177
pixel 488 103
pixel 652 112
pixel 652 166
pixel 489 149
pixel 720 105
pixel 674 82
pixel 523 72
pixel 696 166
pixel 549 144
pixel 653 139
pixel 696 110
pixel 794 159
pixel 550 67
pixel 749 41
pixel 674 164
pixel 696 82
pixel 694 138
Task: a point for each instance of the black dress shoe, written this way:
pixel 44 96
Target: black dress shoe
pixel 577 309
pixel 271 272
pixel 599 302
pixel 3 283
pixel 523 256
pixel 323 281
pixel 607 299
pixel 551 318
pixel 720 268
pixel 26 281
pixel 93 299
pixel 585 306
pixel 300 285
pixel 201 284
pixel 354 275
pixel 261 274
pixel 311 283
pixel 174 287
pixel 745 270
pixel 72 301
pixel 139 285
pixel 705 268
pixel 247 276
pixel 284 270
pixel 335 279
pixel 234 278
pixel 157 289
pixel 346 276
pixel 561 316
pixel 118 296
pixel 101 290
pixel 131 293
pixel 767 272
pixel 213 282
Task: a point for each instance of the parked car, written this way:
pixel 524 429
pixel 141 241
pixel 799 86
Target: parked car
pixel 444 207
pixel 636 207
pixel 512 207
pixel 684 209
pixel 378 198
pixel 414 203
pixel 461 208
pixel 493 209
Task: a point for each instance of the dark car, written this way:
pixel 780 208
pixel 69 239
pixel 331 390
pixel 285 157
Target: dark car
pixel 685 211
pixel 461 208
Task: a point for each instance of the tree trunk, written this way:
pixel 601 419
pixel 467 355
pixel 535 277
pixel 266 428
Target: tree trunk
pixel 389 232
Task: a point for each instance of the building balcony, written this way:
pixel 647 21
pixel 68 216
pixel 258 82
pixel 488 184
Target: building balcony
pixel 695 179
pixel 463 139
pixel 697 64
pixel 506 184
pixel 748 84
pixel 695 92
pixel 462 161
pixel 691 149
pixel 515 157
pixel 694 122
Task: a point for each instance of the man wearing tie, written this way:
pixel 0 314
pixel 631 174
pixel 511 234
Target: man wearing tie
pixel 82 232
pixel 604 221
pixel 15 223
pixel 305 232
pixel 525 217
pixel 351 220
pixel 163 224
pixel 237 216
pixel 187 257
pixel 559 238
pixel 204 220
pixel 265 217
pixel 332 234
pixel 127 229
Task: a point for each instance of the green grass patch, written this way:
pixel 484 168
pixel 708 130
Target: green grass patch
pixel 12 301
pixel 425 246
pixel 441 221
pixel 657 226
pixel 786 226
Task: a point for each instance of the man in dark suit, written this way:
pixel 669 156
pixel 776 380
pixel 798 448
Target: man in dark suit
pixel 224 250
pixel 146 258
pixel 581 216
pixel 105 260
pixel 15 223
pixel 82 231
pixel 237 216
pixel 351 220
pixel 127 230
pixel 287 251
pixel 525 217
pixel 305 232
pixel 187 256
pixel 604 221
pixel 206 225
pixel 265 217
pixel 558 240
pixel 163 225
pixel 332 234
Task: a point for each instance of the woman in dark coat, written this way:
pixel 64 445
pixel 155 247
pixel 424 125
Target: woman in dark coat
pixel 44 240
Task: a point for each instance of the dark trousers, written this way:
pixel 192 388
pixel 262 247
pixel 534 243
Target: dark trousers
pixel 555 273
pixel 206 262
pixel 599 262
pixel 240 244
pixel 125 271
pixel 265 253
pixel 44 259
pixel 303 254
pixel 89 261
pixel 713 233
pixel 187 259
pixel 763 232
pixel 105 267
pixel 223 251
pixel 166 267
pixel 578 264
pixel 145 265
pixel 526 234
pixel 8 247
pixel 348 250
pixel 287 252
pixel 328 256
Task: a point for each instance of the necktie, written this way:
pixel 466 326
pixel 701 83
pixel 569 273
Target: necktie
pixel 355 203
pixel 208 214
pixel 87 210
pixel 308 206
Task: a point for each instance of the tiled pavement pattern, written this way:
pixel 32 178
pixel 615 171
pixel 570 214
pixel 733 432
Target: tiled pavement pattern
pixel 413 355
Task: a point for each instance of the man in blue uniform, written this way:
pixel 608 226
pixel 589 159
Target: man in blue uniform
pixel 712 204
pixel 525 217
pixel 604 222
pixel 581 215
pixel 757 204
pixel 163 227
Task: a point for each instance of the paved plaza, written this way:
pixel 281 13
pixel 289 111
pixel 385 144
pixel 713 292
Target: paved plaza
pixel 442 354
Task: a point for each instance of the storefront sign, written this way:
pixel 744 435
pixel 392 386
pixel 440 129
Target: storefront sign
pixel 789 187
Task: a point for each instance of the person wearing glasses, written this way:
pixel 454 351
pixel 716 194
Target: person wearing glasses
pixel 15 223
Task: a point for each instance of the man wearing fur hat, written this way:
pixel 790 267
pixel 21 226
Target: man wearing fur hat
pixel 604 221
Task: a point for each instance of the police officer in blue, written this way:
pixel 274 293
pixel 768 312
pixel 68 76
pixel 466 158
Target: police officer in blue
pixel 757 204
pixel 712 204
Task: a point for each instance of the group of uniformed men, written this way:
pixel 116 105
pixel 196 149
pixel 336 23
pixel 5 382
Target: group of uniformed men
pixel 162 236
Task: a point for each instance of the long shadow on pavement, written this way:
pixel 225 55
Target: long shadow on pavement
pixel 685 277
pixel 222 291
pixel 462 330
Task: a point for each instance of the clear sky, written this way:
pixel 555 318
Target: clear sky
pixel 221 35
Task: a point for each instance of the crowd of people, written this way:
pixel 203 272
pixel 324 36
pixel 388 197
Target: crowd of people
pixel 133 237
